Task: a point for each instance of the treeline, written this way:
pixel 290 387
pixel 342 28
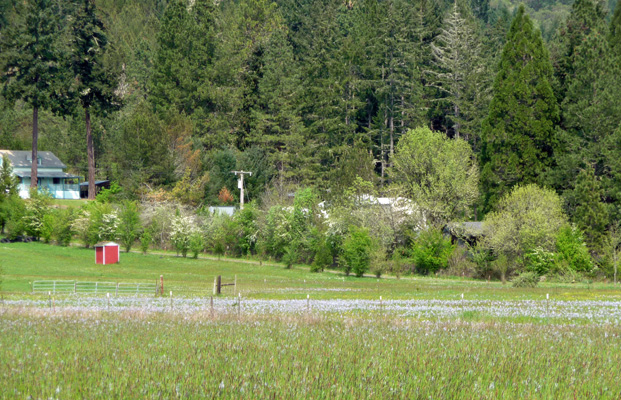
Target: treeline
pixel 320 94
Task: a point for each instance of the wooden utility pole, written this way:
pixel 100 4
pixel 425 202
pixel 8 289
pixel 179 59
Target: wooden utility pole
pixel 240 186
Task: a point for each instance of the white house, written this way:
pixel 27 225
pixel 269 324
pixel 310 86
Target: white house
pixel 50 174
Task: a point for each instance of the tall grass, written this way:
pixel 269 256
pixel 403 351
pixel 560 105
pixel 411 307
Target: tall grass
pixel 117 355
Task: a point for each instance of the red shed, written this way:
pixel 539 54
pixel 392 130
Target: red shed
pixel 107 253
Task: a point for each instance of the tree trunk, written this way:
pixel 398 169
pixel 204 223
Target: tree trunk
pixel 35 156
pixel 91 156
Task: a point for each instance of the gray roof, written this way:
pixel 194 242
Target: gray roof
pixel 23 159
pixel 46 174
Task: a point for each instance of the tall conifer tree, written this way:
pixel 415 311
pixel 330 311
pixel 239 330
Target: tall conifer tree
pixel 94 84
pixel 32 65
pixel 518 136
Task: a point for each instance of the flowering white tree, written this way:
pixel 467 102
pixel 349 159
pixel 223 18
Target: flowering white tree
pixel 183 228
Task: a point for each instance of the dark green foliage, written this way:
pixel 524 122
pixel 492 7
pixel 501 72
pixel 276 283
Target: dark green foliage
pixel 323 257
pixel 222 163
pixel 518 136
pixel 589 213
pixel 614 34
pixel 526 280
pixel 357 248
pixel 430 251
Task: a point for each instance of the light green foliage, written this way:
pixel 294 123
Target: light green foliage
pixel 277 232
pixel 526 280
pixel 37 207
pixel 438 174
pixel 129 224
pixel 430 251
pixel 109 195
pixel 571 250
pixel 518 135
pixel 145 241
pixel 539 261
pixel 246 219
pixel 612 248
pixel 8 182
pixel 182 229
pixel 197 243
pixel 62 230
pixel 47 228
pixel 526 218
pixel 357 248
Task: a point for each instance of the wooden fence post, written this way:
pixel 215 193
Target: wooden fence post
pixel 162 285
pixel 215 280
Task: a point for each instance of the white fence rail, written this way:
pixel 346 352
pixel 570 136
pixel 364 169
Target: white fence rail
pixel 82 287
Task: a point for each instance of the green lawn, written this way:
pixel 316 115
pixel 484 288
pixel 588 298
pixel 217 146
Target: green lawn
pixel 23 263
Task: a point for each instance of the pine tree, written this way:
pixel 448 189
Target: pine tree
pixel 94 84
pixel 31 64
pixel 518 134
pixel 590 214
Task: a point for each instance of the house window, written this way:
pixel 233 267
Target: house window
pixel 56 181
pixel 21 180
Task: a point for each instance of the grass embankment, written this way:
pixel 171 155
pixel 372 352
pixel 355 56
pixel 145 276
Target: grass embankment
pixel 131 356
pixel 25 262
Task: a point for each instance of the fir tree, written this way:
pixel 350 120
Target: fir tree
pixel 31 62
pixel 518 136
pixel 94 84
pixel 590 214
pixel 460 72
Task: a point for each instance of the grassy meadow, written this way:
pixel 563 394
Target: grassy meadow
pixel 26 262
pixel 422 341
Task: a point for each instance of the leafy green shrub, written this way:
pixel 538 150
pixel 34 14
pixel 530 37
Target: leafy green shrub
pixel 247 222
pixel 47 227
pixel 291 255
pixel 572 250
pixel 197 244
pixel 63 232
pixel 539 261
pixel 323 257
pixel 129 224
pixel 37 207
pixel 379 265
pixel 182 231
pixel 431 251
pixel 145 242
pixel 109 195
pixel 526 280
pixel 357 251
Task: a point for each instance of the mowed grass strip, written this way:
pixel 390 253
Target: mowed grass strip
pixel 115 356
pixel 24 263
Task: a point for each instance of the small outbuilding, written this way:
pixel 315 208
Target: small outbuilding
pixel 107 253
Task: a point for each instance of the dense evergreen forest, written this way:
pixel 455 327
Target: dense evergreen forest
pixel 317 93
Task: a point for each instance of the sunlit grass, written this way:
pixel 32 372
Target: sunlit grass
pixel 117 355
